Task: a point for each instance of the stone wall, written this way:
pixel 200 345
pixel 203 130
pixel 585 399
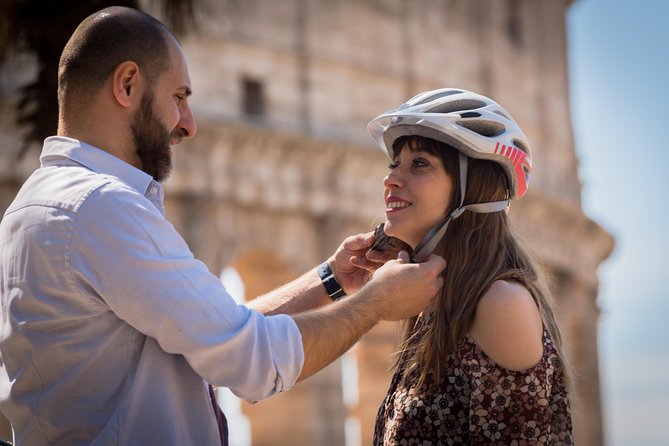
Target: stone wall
pixel 272 189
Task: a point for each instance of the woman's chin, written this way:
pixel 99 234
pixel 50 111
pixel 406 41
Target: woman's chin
pixel 389 228
pixel 394 231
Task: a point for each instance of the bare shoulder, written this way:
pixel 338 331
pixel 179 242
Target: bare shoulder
pixel 507 326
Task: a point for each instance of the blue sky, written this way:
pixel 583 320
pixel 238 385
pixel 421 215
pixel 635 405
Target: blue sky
pixel 619 74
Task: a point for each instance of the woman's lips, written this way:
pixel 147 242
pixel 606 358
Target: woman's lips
pixel 395 204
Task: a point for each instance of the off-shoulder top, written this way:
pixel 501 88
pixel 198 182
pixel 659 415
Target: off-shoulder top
pixel 477 402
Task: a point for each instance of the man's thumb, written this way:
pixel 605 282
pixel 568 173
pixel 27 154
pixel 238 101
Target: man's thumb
pixel 403 256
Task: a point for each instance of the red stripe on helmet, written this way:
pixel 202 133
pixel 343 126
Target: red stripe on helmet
pixel 519 159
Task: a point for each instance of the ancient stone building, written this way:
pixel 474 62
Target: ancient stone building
pixel 282 168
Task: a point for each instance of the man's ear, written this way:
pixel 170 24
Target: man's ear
pixel 126 82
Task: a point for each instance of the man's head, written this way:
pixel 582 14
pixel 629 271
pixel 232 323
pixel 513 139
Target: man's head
pixel 123 85
pixel 100 43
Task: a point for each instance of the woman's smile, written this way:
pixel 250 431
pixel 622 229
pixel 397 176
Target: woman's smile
pixel 396 204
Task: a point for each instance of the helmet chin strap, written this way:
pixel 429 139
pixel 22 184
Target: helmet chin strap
pixel 427 245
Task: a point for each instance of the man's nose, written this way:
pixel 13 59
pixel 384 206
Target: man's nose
pixel 187 123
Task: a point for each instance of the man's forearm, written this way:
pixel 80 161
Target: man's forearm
pixel 302 294
pixel 396 291
pixel 329 332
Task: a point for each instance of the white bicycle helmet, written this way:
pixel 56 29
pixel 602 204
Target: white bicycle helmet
pixel 476 126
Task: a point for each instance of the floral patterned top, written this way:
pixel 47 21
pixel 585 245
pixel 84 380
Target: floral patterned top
pixel 477 402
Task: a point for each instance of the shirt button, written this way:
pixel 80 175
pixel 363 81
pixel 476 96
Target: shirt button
pixel 153 190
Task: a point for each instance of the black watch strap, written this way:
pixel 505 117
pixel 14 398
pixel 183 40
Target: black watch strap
pixel 331 285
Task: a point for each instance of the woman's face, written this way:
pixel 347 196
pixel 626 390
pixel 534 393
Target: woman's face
pixel 417 193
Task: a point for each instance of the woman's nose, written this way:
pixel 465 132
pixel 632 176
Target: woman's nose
pixel 393 179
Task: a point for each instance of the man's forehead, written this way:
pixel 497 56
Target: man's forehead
pixel 178 70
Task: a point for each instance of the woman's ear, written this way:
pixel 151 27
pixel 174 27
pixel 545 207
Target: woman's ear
pixel 125 83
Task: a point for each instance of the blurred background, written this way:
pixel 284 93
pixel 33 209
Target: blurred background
pixel 282 169
pixel 618 66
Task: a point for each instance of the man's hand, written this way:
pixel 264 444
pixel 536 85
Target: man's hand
pixel 349 265
pixel 399 289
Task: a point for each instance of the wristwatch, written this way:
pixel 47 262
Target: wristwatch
pixel 332 287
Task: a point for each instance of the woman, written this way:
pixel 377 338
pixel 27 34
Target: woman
pixel 484 364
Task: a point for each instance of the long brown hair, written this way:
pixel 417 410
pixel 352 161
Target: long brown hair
pixel 479 249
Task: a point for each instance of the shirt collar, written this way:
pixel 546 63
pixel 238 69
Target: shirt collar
pixel 57 148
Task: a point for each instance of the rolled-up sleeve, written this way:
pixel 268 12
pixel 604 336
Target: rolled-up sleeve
pixel 129 257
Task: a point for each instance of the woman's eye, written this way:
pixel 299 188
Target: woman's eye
pixel 393 166
pixel 420 162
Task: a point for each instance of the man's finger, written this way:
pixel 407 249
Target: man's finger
pixel 404 257
pixel 437 262
pixel 360 241
pixel 377 256
pixel 364 263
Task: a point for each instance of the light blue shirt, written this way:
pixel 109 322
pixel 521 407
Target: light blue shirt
pixel 109 328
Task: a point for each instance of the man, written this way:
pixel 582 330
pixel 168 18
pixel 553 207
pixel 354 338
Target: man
pixel 111 331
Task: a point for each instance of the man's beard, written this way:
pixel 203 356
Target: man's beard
pixel 152 140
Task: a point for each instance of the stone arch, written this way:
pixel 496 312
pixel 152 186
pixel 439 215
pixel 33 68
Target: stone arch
pixel 273 420
pixel 261 271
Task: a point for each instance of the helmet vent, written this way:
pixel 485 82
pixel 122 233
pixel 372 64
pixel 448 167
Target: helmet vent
pixel 456 106
pixel 483 127
pixel 518 143
pixel 442 94
pixel 470 115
